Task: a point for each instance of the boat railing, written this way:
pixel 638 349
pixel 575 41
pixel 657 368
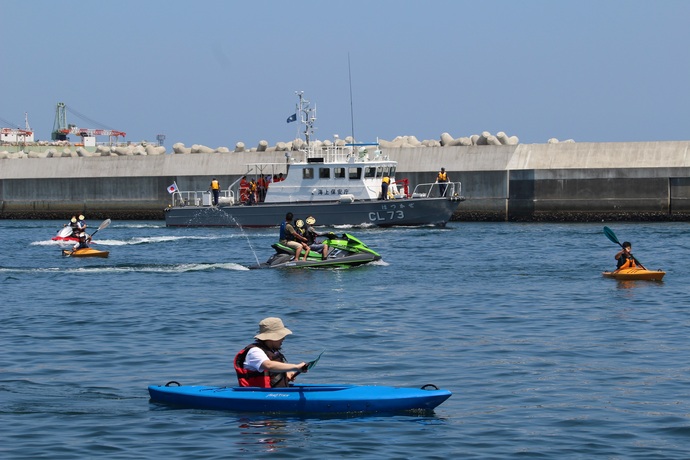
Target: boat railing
pixel 437 189
pixel 339 153
pixel 202 198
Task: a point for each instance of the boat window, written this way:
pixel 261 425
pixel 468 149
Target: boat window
pixel 355 173
pixel 324 173
pixel 392 171
pixel 308 173
pixel 370 171
pixel 339 173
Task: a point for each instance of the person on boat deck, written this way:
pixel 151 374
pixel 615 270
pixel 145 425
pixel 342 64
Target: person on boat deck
pixel 624 257
pixel 385 181
pixel 289 237
pixel 311 235
pixel 261 364
pixel 261 187
pixel 215 189
pixel 442 180
pixel 244 189
pixel 252 191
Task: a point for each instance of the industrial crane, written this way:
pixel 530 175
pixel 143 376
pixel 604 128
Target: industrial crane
pixel 61 129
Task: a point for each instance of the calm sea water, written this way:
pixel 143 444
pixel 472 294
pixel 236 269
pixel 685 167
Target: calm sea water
pixel 545 357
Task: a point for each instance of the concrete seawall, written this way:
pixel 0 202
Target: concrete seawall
pixel 562 181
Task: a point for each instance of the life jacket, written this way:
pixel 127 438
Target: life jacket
pixel 215 185
pixel 386 180
pixel 442 177
pixel 244 190
pixel 626 262
pixel 249 378
pixel 284 233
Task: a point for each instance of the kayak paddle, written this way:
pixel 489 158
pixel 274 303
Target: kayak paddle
pixel 612 236
pixel 103 225
pixel 308 366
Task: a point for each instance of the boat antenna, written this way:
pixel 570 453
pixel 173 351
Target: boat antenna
pixel 307 116
pixel 352 112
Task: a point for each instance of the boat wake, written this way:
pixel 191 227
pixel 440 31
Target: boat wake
pixel 144 268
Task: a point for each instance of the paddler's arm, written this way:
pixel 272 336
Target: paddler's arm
pixel 277 366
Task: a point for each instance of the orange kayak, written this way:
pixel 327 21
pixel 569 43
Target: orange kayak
pixel 635 274
pixel 85 252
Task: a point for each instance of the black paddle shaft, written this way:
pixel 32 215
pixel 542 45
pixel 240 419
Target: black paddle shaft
pixel 612 236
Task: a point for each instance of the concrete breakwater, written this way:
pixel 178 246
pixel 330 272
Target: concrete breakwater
pixel 565 181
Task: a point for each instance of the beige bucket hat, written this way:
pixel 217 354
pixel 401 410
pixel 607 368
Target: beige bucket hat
pixel 272 329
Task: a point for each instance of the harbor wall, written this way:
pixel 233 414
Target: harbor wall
pixel 560 181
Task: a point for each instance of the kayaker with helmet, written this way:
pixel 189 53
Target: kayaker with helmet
pixel 311 235
pixel 289 236
pixel 261 364
pixel 624 257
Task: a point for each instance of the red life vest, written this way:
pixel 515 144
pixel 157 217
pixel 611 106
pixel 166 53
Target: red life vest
pixel 249 378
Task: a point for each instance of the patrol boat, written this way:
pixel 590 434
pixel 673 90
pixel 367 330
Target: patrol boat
pixel 338 182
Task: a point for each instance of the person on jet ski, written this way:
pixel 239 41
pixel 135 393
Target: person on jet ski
pixel 81 224
pixel 75 228
pixel 311 235
pixel 289 237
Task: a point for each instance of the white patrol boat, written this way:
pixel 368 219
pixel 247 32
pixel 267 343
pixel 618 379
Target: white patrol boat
pixel 338 183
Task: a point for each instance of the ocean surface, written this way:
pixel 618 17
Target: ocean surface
pixel 544 356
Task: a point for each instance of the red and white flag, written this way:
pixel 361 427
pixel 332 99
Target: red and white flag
pixel 172 188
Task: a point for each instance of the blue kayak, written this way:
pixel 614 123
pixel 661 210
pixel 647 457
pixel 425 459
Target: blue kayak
pixel 300 398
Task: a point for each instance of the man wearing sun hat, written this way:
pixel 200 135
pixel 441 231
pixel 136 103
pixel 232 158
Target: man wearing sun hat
pixel 261 364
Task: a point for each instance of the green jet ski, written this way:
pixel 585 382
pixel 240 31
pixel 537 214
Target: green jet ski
pixel 344 251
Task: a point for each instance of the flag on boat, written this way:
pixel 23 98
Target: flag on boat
pixel 292 118
pixel 172 188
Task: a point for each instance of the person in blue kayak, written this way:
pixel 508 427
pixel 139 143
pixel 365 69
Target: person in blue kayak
pixel 261 364
pixel 289 237
pixel 624 257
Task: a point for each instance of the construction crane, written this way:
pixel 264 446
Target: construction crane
pixel 61 129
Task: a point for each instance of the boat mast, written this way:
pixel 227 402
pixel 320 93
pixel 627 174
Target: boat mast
pixel 307 116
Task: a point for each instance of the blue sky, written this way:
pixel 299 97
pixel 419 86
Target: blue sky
pixel 217 72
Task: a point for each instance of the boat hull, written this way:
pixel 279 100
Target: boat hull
pixel 286 261
pixel 300 398
pixel 635 274
pixel 85 252
pixel 404 212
